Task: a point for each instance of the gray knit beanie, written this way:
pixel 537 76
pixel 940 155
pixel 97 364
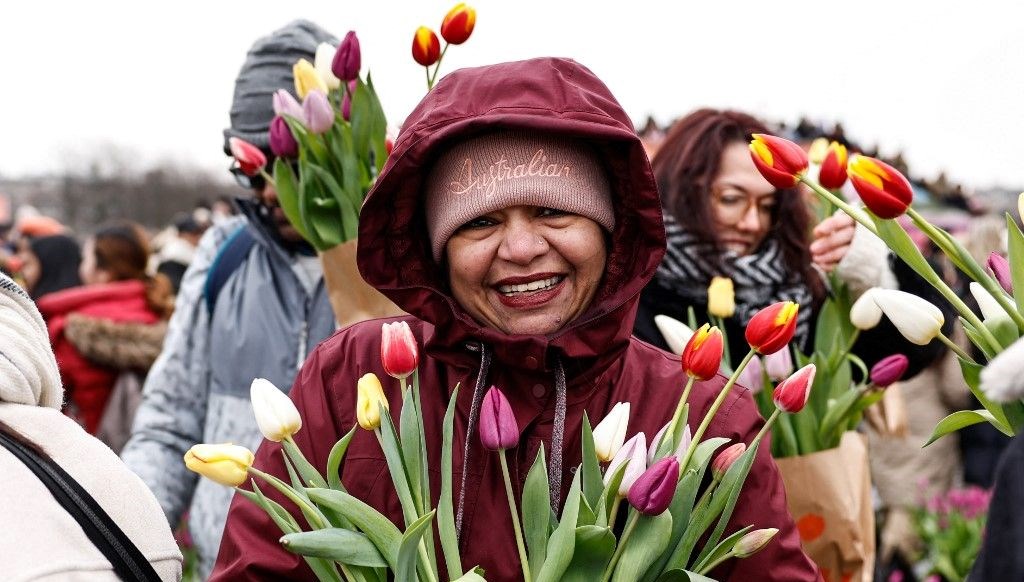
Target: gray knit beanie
pixel 267 68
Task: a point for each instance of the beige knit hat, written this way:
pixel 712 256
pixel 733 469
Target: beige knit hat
pixel 513 168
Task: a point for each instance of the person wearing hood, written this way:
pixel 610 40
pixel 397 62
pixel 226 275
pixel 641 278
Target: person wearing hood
pixel 516 221
pixel 41 539
pixel 48 264
pixel 252 304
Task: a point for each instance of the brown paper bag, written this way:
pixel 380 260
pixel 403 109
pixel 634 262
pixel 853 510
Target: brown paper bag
pixel 829 494
pixel 352 298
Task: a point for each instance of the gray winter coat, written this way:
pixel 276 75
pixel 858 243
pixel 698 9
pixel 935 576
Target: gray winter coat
pixel 263 325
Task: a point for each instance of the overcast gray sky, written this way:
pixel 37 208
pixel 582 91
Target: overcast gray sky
pixel 942 80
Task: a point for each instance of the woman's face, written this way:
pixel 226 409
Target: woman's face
pixel 88 272
pixel 526 269
pixel 31 269
pixel 741 201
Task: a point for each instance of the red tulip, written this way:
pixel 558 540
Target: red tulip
pixel 882 189
pixel 726 458
pixel 779 160
pixel 833 168
pixel 889 369
pixel 426 49
pixel 458 24
pixel 791 395
pixel 773 327
pixel 348 59
pixel 1000 267
pixel 652 493
pixel 498 427
pixel 389 145
pixel 703 353
pixel 398 351
pixel 249 157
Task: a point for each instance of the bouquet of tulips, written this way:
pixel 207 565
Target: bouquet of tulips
pixel 670 528
pixel 951 527
pixel 886 196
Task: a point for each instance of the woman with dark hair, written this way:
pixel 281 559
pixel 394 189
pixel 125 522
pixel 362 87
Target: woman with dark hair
pixel 114 323
pixel 49 263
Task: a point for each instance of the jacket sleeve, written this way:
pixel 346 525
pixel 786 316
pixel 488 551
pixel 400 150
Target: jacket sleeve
pixel 762 503
pixel 866 263
pixel 172 415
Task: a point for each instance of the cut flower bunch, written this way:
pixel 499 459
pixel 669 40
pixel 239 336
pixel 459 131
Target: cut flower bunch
pixel 635 509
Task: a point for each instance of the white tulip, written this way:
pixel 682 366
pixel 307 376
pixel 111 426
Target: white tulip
pixel 990 308
pixel 865 313
pixel 276 414
pixel 916 319
pixel 676 333
pixel 1002 379
pixel 322 64
pixel 610 433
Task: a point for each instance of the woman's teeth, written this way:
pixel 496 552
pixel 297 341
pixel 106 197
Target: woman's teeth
pixel 540 285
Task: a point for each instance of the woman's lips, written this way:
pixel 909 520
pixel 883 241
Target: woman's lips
pixel 530 299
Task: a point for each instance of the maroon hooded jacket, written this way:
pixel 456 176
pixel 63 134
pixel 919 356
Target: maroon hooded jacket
pixel 603 363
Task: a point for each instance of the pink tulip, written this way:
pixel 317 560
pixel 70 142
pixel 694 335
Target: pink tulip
pixel 285 104
pixel 779 365
pixel 1000 267
pixel 752 376
pixel 684 443
pixel 317 115
pixel 791 395
pixel 498 427
pixel 889 369
pixel 634 455
pixel 398 351
pixel 652 493
pixel 726 458
pixel 249 157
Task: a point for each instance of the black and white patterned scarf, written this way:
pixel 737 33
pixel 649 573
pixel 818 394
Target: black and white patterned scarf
pixel 759 279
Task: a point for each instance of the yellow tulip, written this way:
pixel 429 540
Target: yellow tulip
pixel 721 297
pixel 307 79
pixel 226 464
pixel 370 398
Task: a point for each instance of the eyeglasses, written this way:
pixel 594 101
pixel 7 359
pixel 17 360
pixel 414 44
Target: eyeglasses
pixel 256 182
pixel 731 206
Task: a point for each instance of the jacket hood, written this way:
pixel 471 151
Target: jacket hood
pixel 549 95
pixel 28 370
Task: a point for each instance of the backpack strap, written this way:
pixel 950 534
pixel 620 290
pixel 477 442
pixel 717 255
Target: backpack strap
pixel 231 254
pixel 124 556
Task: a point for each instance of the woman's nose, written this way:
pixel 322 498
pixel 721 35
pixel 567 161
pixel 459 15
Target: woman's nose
pixel 521 243
pixel 751 220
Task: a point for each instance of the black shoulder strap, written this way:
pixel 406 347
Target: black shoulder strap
pixel 127 560
pixel 231 254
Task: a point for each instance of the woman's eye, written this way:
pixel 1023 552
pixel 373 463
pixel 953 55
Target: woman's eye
pixel 552 212
pixel 731 200
pixel 481 222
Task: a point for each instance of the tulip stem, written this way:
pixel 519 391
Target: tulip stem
pixel 767 424
pixel 433 79
pixel 715 563
pixel 956 349
pixel 706 421
pixel 523 560
pixel 677 416
pixel 613 514
pixel 630 526
pixel 832 198
pixel 311 513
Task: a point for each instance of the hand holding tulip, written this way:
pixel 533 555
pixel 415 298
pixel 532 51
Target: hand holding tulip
pixel 832 239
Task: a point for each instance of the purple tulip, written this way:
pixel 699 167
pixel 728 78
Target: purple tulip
pixel 652 493
pixel 889 370
pixel 347 60
pixel 1000 267
pixel 346 101
pixel 317 115
pixel 498 428
pixel 282 142
pixel 285 104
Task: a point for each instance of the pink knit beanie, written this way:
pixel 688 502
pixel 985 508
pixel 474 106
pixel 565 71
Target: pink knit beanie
pixel 513 168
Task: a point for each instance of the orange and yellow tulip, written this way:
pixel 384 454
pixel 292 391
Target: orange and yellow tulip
pixel 884 190
pixel 426 49
pixel 703 353
pixel 833 167
pixel 780 161
pixel 773 327
pixel 458 24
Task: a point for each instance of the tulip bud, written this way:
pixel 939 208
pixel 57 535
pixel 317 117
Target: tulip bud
pixel 703 353
pixel 684 443
pixel 249 157
pixel 307 79
pixel 498 428
pixel 348 60
pixel 610 433
pixel 779 365
pixel 370 397
pixel 426 49
pixel 285 104
pixel 276 414
pixel 1001 379
pixel 282 142
pixel 726 458
pixel 398 351
pixel 721 297
pixel 633 454
pixel 676 333
pixel 753 541
pixel 791 395
pixel 818 150
pixel 458 24
pixel 833 168
pixel 1000 268
pixel 773 327
pixel 226 464
pixel 322 63
pixel 652 493
pixel 915 318
pixel 865 313
pixel 990 308
pixel 752 376
pixel 346 101
pixel 317 114
pixel 881 188
pixel 889 369
pixel 780 161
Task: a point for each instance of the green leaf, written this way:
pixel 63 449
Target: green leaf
pixel 723 548
pixel 445 505
pixel 378 528
pixel 900 242
pixel 976 339
pixel 336 456
pixel 1003 328
pixel 838 411
pixel 964 418
pixel 324 569
pixel 341 545
pixel 306 470
pixel 304 194
pixel 594 548
pixel 396 466
pixel 724 499
pixel 606 502
pixel 407 549
pixel 972 377
pixel 593 484
pixel 563 540
pixel 536 512
pixel 288 196
pixel 409 429
pixel 1015 245
pixel 643 547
